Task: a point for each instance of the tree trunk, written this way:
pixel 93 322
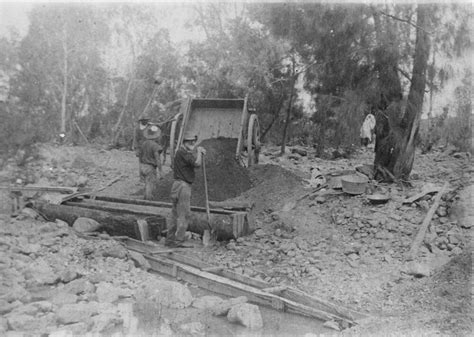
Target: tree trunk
pixel 116 128
pixel 290 107
pixel 64 91
pixel 395 145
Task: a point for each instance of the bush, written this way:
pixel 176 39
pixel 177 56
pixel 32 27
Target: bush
pixel 19 133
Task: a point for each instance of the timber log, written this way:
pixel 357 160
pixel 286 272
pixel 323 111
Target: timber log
pixel 119 216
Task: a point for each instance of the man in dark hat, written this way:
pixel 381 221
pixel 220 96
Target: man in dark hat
pixel 185 161
pixel 150 160
pixel 138 138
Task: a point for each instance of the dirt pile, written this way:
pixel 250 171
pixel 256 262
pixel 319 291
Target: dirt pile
pixel 226 178
pixel 272 187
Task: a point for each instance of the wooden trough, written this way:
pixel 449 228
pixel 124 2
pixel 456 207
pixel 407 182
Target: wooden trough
pixel 119 216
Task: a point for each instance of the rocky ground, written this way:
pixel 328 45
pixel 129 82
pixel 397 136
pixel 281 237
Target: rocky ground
pixel 335 246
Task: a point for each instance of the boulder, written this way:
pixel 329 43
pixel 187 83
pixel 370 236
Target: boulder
pixel 79 286
pixel 68 275
pixel 193 329
pixel 27 309
pixel 30 213
pixel 223 308
pixel 43 306
pixel 41 272
pixel 167 293
pixel 246 314
pixel 108 293
pixel 81 181
pixel 64 298
pixel 84 225
pixel 3 325
pixel 118 251
pixel 139 260
pixel 23 322
pixel 332 325
pixel 207 302
pixel 74 313
pixel 418 269
pixel 105 321
pixel 17 293
pixel 75 329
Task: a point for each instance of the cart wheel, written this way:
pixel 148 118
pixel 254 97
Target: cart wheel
pixel 253 140
pixel 174 138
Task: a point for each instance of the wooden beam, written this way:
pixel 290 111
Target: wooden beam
pixel 274 301
pixel 424 226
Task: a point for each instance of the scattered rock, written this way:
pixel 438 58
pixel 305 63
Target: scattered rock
pixel 105 321
pixel 79 286
pixel 74 313
pixel 139 260
pixel 223 308
pixel 332 325
pixel 118 251
pixel 30 213
pixel 320 199
pixel 75 329
pixel 207 302
pixel 17 293
pixel 64 298
pixel 456 251
pixel 3 325
pixel 167 293
pixel 193 329
pixel 84 225
pixel 246 314
pixel 259 233
pixel 418 269
pixel 68 275
pixel 81 181
pixel 108 293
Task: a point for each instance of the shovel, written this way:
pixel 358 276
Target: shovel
pixel 206 237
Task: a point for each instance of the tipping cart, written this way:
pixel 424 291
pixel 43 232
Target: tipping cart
pixel 215 118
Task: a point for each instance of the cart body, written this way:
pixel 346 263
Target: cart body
pixel 218 118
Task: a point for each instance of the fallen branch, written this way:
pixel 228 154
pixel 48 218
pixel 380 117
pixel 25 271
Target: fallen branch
pixel 424 226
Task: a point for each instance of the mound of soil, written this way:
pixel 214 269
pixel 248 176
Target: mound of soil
pixel 272 187
pixel 226 178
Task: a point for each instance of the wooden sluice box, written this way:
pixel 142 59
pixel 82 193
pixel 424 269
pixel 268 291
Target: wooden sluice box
pixel 123 216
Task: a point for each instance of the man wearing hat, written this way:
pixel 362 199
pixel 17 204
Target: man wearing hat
pixel 185 161
pixel 138 138
pixel 149 157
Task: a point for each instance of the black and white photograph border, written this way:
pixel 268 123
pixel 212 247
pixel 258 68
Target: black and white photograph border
pixel 236 168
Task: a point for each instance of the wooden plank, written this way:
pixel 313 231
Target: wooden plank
pixel 309 305
pixel 224 286
pixel 277 289
pixel 424 226
pixel 313 301
pixel 155 204
pixel 213 269
pixel 59 189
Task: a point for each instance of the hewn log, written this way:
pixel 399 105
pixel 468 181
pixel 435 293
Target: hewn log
pixel 113 224
pixel 228 225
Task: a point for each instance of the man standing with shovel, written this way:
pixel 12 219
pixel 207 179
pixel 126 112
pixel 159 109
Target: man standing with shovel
pixel 185 161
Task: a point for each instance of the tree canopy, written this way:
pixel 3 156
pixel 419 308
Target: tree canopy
pixel 95 68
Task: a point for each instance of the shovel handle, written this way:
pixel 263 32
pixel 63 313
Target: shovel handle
pixel 208 212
